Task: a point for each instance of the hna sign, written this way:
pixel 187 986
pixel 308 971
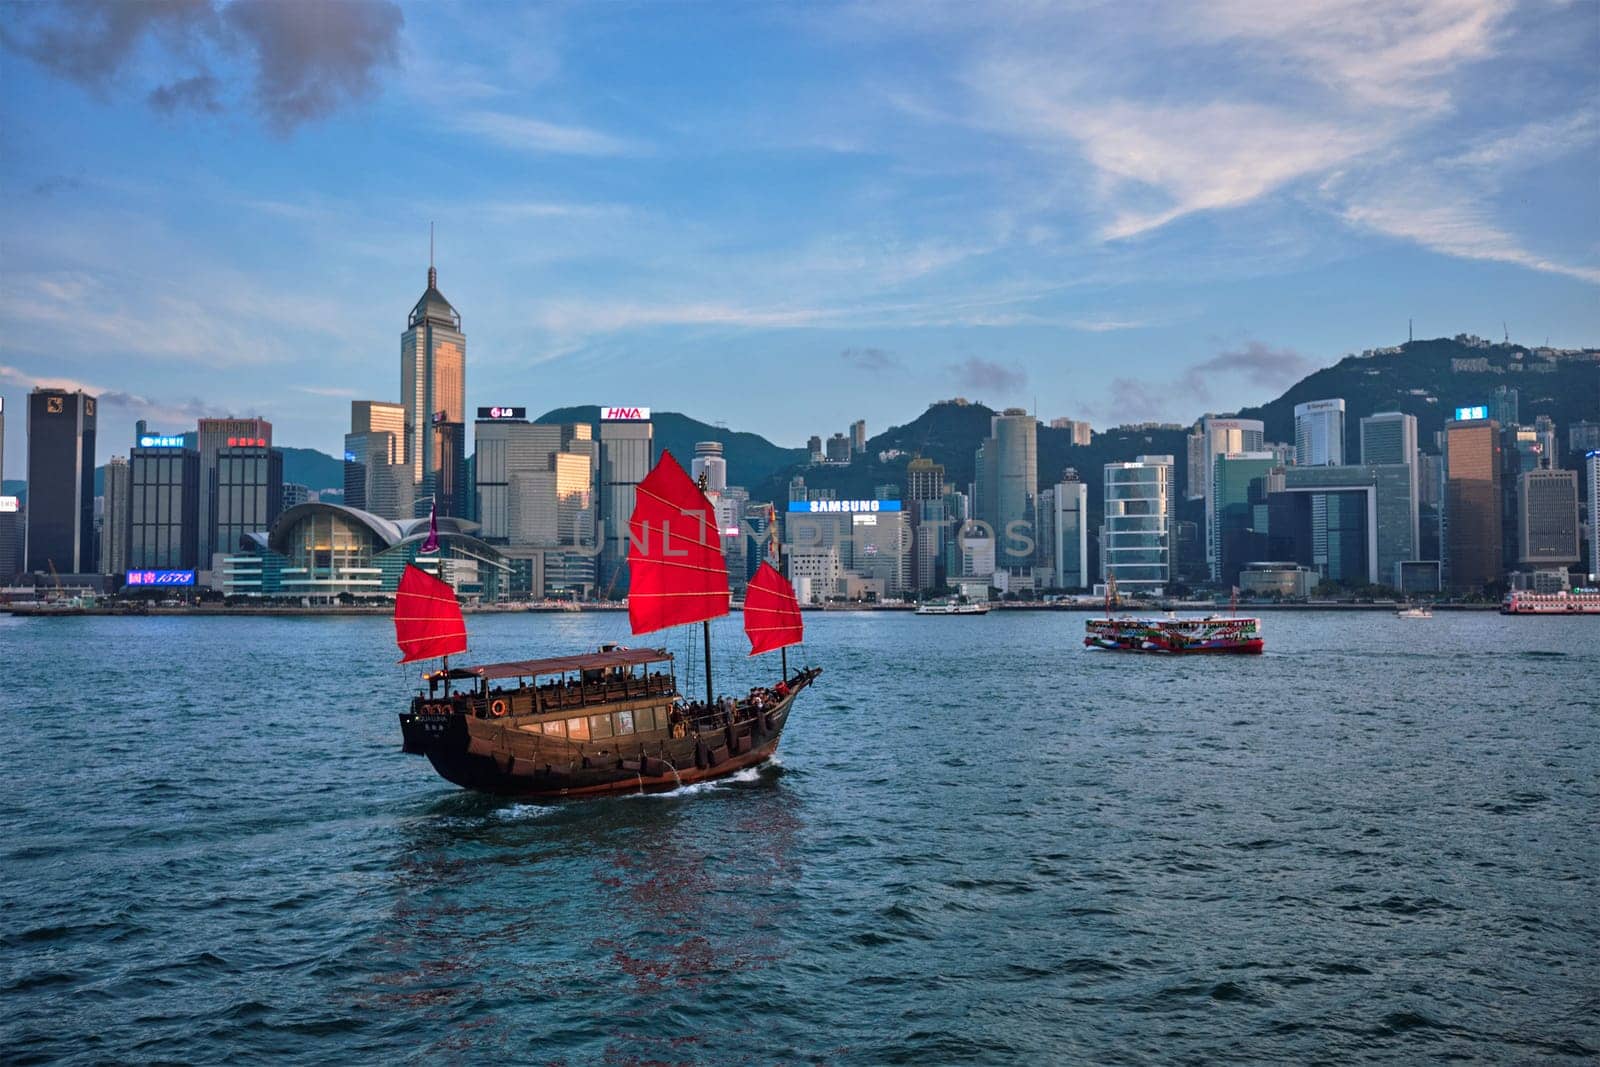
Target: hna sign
pixel 624 414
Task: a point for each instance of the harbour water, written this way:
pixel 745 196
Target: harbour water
pixel 981 843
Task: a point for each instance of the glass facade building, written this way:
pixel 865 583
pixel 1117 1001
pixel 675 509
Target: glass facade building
pixel 433 390
pixel 376 476
pixel 1069 531
pixel 1135 538
pixel 164 509
pixel 246 494
pixel 1369 518
pixel 1008 483
pixel 61 459
pixel 1221 436
pixel 1233 476
pixel 115 523
pixel 627 452
pixel 1471 533
pixel 213 436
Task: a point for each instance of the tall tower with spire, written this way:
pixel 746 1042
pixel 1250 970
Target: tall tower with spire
pixel 433 388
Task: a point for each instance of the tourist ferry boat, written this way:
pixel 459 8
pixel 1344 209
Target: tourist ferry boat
pixel 952 607
pixel 1213 633
pixel 613 720
pixel 1415 611
pixel 1577 602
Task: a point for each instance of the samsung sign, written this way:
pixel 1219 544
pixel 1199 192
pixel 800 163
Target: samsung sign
pixel 624 414
pixel 822 507
pixel 1468 414
pixel 160 578
pixel 502 413
pixel 151 440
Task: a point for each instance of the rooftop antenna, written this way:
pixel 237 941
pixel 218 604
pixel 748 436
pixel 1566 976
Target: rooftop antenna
pixel 1506 329
pixel 1410 333
pixel 433 275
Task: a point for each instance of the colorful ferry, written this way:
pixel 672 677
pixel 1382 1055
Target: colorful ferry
pixel 1577 602
pixel 1212 633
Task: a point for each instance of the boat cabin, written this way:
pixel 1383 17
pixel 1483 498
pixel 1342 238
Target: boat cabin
pixel 565 695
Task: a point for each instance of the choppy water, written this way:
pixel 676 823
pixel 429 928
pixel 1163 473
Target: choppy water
pixel 983 844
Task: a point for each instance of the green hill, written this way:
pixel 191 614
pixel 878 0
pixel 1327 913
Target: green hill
pixel 751 458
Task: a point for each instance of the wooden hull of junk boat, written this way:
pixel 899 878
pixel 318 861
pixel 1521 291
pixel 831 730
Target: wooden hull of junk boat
pixel 497 756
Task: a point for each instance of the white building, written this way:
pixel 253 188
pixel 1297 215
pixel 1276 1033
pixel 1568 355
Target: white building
pixel 1140 511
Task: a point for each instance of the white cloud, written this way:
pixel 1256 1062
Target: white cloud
pixel 524 133
pixel 1438 218
pixel 1533 144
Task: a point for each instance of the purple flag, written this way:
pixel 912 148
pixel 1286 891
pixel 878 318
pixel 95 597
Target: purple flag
pixel 432 543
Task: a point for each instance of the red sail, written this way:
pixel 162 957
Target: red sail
pixel 771 615
pixel 427 617
pixel 676 573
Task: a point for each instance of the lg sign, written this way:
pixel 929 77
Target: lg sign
pixel 502 413
pixel 625 414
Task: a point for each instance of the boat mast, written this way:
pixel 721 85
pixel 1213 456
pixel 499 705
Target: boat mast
pixel 705 624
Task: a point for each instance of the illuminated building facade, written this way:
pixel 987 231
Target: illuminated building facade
pixel 433 391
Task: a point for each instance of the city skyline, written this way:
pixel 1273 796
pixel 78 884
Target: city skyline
pixel 199 232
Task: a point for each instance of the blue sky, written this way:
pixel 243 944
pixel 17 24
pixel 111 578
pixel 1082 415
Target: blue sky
pixel 781 216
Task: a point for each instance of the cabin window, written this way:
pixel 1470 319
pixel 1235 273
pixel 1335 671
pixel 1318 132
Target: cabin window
pixel 557 727
pixel 653 719
pixel 599 726
pixel 578 729
pixel 624 722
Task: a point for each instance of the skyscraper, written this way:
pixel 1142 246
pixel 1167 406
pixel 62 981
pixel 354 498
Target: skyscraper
pixel 708 461
pixel 60 530
pixel 1470 536
pixel 1504 408
pixel 164 507
pixel 1547 519
pixel 924 501
pixel 858 436
pixel 377 477
pixel 1390 437
pixel 213 436
pixel 627 452
pixel 1070 532
pixel 1319 433
pixel 1235 516
pixel 1135 539
pixel 1078 430
pixel 1591 463
pixel 1008 483
pixel 1223 436
pixel 246 494
pixel 433 389
pixel 114 527
pixel 3 440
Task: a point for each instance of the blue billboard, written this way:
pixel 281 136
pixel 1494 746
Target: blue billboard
pixel 163 578
pixel 152 440
pixel 1468 414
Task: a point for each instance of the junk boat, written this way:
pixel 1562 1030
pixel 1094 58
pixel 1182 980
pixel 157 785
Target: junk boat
pixel 1213 633
pixel 613 720
pixel 1577 602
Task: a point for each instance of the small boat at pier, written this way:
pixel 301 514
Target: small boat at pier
pixel 1415 611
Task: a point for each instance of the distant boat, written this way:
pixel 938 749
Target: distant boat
pixel 1577 602
pixel 1416 611
pixel 1171 634
pixel 613 720
pixel 952 607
